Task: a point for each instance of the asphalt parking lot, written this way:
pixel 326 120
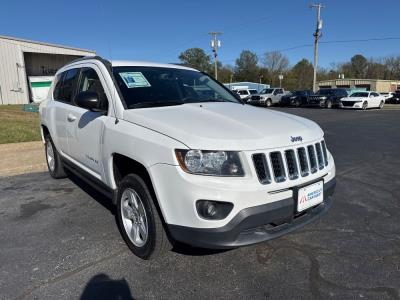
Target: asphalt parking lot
pixel 59 239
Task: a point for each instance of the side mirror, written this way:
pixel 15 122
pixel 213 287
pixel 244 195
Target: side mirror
pixel 88 100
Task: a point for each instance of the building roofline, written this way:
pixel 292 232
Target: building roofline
pixel 45 44
pixel 367 79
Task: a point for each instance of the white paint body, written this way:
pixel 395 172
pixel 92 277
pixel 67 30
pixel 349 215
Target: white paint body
pixel 151 135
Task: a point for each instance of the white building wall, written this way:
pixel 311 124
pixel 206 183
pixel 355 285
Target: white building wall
pixel 13 81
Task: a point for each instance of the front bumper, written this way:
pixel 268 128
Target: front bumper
pixel 254 224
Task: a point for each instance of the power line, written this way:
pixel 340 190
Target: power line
pixel 325 42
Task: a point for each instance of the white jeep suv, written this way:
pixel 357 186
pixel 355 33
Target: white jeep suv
pixel 181 157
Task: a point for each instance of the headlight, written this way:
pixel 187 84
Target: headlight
pixel 217 163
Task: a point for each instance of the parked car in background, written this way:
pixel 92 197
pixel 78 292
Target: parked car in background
pixel 387 95
pixel 245 94
pixel 363 100
pixel 395 99
pixel 327 98
pixel 296 98
pixel 268 97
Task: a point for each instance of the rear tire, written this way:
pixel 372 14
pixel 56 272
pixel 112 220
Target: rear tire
pixel 268 103
pixel 381 104
pixel 138 219
pixel 53 159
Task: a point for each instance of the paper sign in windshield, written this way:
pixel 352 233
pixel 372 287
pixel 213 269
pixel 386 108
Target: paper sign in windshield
pixel 134 79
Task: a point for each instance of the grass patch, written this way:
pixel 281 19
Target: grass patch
pixel 17 125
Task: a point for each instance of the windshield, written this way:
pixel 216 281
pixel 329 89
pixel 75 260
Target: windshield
pixel 324 92
pixel 267 91
pixel 156 86
pixel 359 94
pixel 298 93
pixel 253 92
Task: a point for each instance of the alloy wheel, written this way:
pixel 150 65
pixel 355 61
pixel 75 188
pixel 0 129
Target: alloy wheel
pixel 50 156
pixel 134 217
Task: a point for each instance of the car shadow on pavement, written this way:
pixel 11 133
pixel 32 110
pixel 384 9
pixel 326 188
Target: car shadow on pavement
pixel 101 286
pixel 96 195
pixel 179 248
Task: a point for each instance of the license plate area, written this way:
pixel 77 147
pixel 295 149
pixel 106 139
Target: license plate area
pixel 309 195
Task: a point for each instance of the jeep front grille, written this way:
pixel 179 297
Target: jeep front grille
pixel 324 152
pixel 261 166
pixel 291 163
pixel 319 156
pixel 277 166
pixel 304 168
pixel 313 159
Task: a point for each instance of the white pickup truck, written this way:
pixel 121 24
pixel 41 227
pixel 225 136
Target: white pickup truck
pixel 182 158
pixel 268 97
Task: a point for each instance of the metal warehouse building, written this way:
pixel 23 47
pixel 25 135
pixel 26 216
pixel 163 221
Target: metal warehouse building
pixel 22 60
pixel 378 85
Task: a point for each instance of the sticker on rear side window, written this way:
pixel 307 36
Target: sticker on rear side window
pixel 134 79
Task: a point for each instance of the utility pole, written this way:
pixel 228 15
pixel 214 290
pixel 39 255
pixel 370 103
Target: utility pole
pixel 215 44
pixel 317 34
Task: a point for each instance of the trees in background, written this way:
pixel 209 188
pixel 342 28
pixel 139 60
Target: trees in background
pixel 275 63
pixel 299 76
pixel 246 67
pixel 196 58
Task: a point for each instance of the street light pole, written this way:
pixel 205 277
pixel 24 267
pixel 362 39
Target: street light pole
pixel 317 35
pixel 280 80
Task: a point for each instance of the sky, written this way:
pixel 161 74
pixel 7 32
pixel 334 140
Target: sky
pixel 156 30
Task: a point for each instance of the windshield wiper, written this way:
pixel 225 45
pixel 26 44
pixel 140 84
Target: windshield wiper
pixel 155 104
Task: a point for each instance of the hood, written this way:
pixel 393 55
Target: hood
pixel 225 126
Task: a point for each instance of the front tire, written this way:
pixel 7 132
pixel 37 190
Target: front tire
pixel 381 104
pixel 365 105
pixel 53 159
pixel 268 103
pixel 328 104
pixel 138 219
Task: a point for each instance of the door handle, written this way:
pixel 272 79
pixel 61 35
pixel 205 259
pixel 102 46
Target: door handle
pixel 71 118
